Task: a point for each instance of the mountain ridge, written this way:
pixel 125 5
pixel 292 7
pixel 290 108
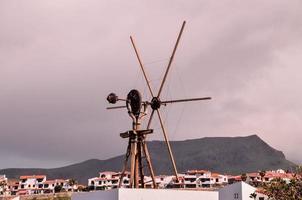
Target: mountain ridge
pixel 230 155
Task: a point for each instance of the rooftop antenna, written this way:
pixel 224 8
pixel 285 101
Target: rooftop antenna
pixel 137 110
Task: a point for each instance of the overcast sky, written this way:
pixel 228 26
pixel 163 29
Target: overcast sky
pixel 59 59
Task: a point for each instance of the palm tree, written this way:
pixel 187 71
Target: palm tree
pixel 3 185
pixel 243 177
pixel 253 195
pixel 58 189
pixel 72 182
pixel 262 174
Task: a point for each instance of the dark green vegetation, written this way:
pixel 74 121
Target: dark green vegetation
pixel 49 197
pixel 231 155
pixel 61 196
pixel 278 189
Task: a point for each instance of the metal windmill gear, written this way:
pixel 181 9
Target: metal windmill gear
pixel 137 110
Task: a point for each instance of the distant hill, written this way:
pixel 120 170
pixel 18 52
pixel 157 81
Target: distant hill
pixel 231 155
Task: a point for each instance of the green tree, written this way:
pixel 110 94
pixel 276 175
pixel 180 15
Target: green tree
pixel 243 177
pixel 58 188
pixel 262 175
pixel 3 185
pixel 279 189
pixel 253 196
pixel 71 183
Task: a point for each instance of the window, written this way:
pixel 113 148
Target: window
pixel 236 196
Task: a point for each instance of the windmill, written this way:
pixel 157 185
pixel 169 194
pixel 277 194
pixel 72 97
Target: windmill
pixel 137 110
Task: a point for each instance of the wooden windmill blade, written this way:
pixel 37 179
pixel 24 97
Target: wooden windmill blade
pixel 144 148
pixel 137 110
pixel 145 76
pixel 156 102
pixel 115 107
pixel 150 119
pixel 167 143
pixel 142 66
pixel 186 100
pixel 171 59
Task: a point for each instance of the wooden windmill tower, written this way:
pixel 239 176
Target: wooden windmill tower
pixel 137 146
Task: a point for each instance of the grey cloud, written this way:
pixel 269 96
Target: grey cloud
pixel 60 59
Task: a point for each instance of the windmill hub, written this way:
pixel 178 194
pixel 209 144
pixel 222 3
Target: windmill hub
pixel 155 103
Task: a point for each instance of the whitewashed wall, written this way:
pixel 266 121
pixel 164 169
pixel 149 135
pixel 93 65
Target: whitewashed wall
pixel 147 194
pixel 97 195
pixel 236 191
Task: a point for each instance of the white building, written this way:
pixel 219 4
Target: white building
pixel 108 180
pixel 32 184
pixel 239 191
pixel 146 194
pixel 254 178
pixel 37 184
pixel 13 186
pixel 3 185
pixel 219 179
pixel 191 179
pixel 161 181
pixel 49 185
pixel 204 179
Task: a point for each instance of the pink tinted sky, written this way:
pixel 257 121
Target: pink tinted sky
pixel 60 58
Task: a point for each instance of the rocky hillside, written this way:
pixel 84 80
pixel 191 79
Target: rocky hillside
pixel 231 155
